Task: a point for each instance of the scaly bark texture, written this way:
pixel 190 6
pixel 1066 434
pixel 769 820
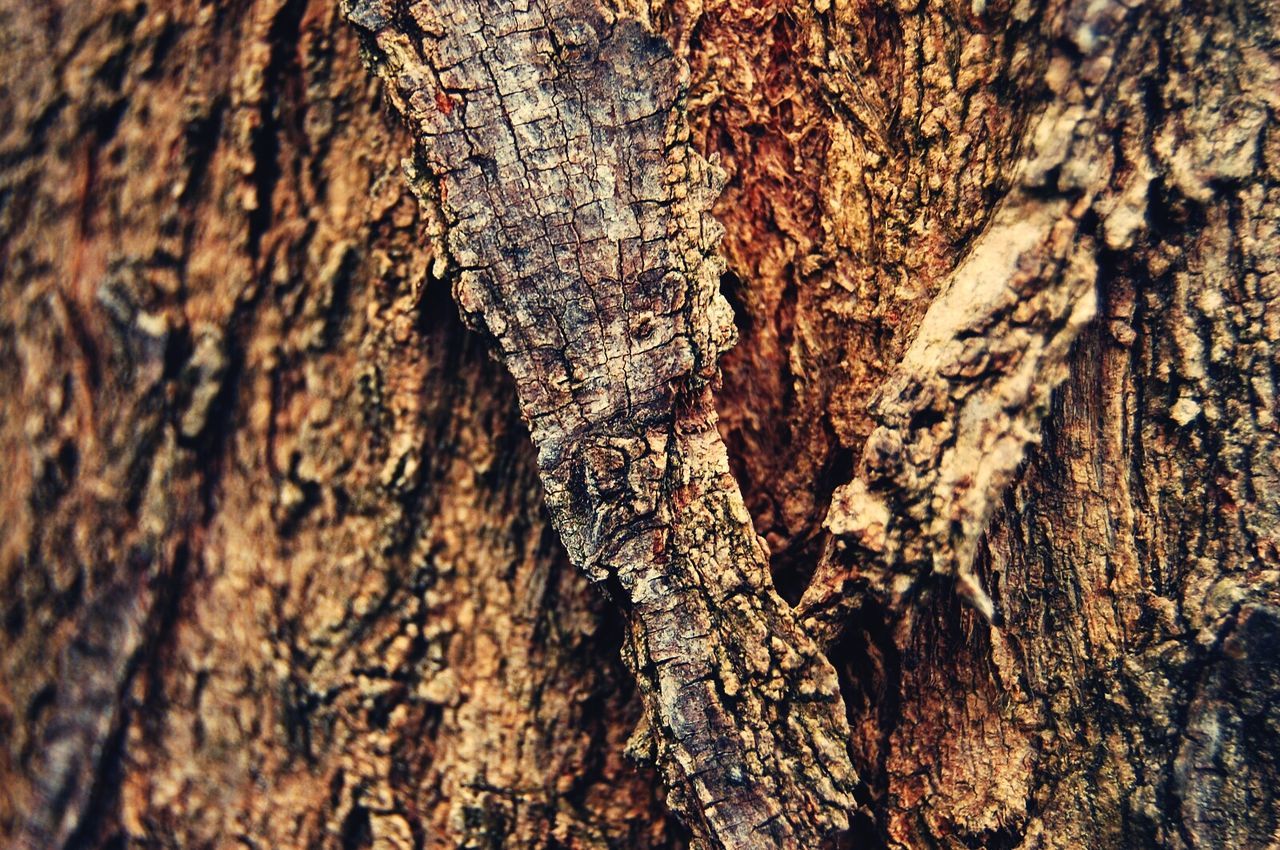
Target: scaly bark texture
pixel 576 215
pixel 275 566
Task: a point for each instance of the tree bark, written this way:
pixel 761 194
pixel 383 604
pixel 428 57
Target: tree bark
pixel 292 557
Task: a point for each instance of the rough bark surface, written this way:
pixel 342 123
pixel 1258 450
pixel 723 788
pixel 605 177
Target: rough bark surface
pixel 1140 538
pixel 275 569
pixel 576 215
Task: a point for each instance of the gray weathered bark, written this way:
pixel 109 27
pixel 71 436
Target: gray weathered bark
pixel 577 217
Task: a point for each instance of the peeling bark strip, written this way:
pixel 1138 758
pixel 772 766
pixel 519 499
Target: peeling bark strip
pixel 577 217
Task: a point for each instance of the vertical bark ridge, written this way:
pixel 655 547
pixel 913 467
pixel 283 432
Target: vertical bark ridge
pixel 578 223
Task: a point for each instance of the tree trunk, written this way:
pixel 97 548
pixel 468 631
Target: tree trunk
pixel 293 557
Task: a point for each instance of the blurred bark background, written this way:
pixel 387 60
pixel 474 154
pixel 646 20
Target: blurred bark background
pixel 275 570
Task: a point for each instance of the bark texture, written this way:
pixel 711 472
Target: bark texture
pixel 577 217
pixel 1140 537
pixel 275 568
